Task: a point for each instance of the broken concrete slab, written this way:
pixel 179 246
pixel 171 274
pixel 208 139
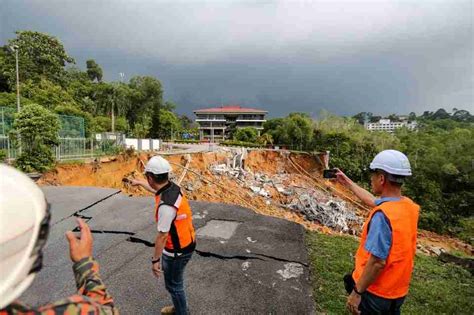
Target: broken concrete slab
pixel 220 229
pixel 122 213
pixel 265 257
pixel 259 234
pixel 65 201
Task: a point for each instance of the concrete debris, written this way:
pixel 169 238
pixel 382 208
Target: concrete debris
pixel 189 187
pixel 250 240
pixel 316 206
pixel 431 250
pixel 292 270
pixel 437 250
pixel 255 189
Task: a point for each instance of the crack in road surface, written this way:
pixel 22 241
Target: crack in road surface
pixel 133 239
pixel 77 213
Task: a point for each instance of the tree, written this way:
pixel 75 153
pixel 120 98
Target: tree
pixel 38 130
pixel 375 119
pixel 94 71
pixel 4 83
pixel 186 122
pixel 393 117
pixel 169 124
pixel 265 139
pixel 247 134
pixel 169 106
pixel 295 130
pixel 156 130
pixel 146 98
pixel 440 114
pixel 46 93
pixel 463 115
pixel 300 130
pixel 104 124
pixel 40 56
pixel 412 116
pixel 362 117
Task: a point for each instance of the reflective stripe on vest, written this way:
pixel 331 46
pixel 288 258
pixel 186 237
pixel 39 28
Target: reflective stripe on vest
pixel 394 280
pixel 181 237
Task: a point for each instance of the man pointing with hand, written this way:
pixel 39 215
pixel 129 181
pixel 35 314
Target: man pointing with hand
pixel 175 241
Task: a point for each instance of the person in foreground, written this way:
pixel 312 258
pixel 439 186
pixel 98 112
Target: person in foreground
pixel 24 226
pixel 175 241
pixel 384 260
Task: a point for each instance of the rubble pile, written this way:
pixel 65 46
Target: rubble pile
pixel 312 204
pixel 330 212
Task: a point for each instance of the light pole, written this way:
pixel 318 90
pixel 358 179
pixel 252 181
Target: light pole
pixel 122 75
pixel 15 49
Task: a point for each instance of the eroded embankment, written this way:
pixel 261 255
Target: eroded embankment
pixel 275 183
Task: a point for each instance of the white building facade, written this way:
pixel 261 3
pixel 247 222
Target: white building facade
pixel 216 123
pixel 390 126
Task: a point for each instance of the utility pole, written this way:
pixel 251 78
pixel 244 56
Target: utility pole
pixel 15 49
pixel 122 75
pixel 17 79
pixel 113 116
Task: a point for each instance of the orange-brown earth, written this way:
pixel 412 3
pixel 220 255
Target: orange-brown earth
pixel 301 170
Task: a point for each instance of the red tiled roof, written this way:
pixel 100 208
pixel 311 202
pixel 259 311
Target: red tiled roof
pixel 230 108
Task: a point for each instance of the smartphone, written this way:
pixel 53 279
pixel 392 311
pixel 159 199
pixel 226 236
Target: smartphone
pixel 330 174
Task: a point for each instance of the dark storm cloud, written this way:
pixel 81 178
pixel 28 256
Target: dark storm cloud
pixel 344 56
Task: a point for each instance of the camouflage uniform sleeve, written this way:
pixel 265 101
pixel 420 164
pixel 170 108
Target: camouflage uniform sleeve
pixel 92 297
pixel 89 283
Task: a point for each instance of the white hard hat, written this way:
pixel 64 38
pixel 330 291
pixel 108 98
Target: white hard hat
pixel 157 165
pixel 24 226
pixel 393 162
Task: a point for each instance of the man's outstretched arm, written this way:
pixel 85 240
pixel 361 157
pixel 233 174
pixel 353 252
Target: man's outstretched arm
pixel 360 192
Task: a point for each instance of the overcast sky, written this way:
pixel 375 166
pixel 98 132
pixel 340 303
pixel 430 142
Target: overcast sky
pixel 282 56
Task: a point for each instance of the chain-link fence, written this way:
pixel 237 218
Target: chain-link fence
pixel 83 148
pixel 71 127
pixel 6 119
pixel 67 149
pixel 73 145
pixel 8 148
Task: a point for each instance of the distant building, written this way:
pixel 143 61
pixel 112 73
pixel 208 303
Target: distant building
pixel 390 126
pixel 215 124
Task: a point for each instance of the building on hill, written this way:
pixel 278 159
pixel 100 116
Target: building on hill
pixel 390 126
pixel 216 124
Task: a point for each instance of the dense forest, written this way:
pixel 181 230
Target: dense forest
pixel 50 78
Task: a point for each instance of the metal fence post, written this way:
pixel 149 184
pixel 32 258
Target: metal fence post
pixel 8 148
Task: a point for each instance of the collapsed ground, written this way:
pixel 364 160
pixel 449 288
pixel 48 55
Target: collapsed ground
pixel 276 183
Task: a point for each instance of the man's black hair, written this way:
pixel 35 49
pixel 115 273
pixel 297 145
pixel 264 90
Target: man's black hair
pixel 395 180
pixel 158 178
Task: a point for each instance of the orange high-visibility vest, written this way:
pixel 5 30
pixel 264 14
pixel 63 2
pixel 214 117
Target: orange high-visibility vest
pixel 395 278
pixel 181 237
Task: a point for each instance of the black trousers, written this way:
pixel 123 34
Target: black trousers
pixel 373 304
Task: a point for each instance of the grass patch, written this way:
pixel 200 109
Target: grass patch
pixel 436 288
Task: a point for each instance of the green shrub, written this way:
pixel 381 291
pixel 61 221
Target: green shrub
pixel 38 128
pixel 247 134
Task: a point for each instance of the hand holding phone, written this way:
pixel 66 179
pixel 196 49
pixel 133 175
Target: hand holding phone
pixel 330 174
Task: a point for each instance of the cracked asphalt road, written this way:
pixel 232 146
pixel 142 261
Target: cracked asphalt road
pixel 261 268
